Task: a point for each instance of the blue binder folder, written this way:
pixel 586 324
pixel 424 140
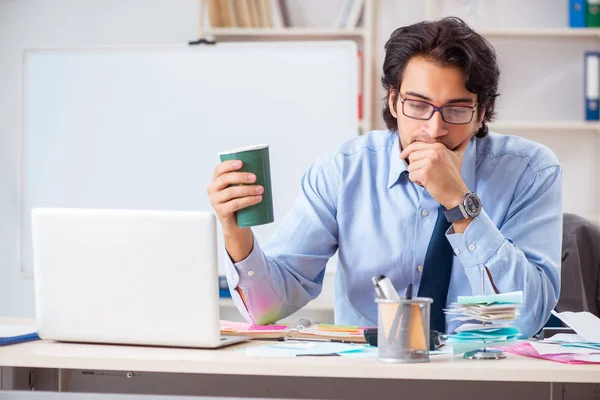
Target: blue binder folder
pixel 223 287
pixel 577 13
pixel 18 339
pixel 592 85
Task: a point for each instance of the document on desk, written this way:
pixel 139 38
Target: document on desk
pixel 566 338
pixel 528 349
pixel 291 348
pixel 556 348
pixel 586 324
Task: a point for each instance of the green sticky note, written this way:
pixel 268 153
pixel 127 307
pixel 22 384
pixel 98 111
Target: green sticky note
pixel 502 298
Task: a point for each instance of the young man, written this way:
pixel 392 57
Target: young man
pixel 437 200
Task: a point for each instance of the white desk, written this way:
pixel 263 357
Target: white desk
pixel 444 371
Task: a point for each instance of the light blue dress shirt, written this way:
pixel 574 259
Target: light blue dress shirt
pixel 358 200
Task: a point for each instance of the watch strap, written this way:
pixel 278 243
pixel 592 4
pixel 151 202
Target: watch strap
pixel 454 214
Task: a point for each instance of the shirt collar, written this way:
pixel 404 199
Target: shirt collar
pixel 397 165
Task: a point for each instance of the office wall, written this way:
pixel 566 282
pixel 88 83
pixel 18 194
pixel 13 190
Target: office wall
pixel 528 76
pixel 56 24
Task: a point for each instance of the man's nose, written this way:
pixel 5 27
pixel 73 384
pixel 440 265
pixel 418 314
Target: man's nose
pixel 436 127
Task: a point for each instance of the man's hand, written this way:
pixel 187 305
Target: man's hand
pixel 230 191
pixel 435 167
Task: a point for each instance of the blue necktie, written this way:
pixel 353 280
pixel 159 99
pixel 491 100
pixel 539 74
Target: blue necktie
pixel 436 272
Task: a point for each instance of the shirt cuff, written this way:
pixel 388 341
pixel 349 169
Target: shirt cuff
pixel 247 272
pixel 480 241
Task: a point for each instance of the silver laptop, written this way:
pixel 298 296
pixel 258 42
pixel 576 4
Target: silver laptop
pixel 127 276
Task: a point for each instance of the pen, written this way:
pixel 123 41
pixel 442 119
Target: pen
pixel 320 340
pixel 387 288
pixel 378 290
pixel 409 292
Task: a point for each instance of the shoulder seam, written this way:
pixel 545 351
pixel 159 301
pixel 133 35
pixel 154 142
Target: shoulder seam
pixel 529 165
pixel 346 154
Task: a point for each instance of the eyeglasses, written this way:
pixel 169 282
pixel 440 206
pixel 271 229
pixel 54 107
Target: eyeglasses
pixel 422 110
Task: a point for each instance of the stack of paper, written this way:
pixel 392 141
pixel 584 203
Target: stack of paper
pixel 493 315
pixel 260 331
pixel 342 333
pixel 350 334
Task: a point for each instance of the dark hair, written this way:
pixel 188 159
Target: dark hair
pixel 447 42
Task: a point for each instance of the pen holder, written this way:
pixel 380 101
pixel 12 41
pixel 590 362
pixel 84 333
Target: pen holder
pixel 403 330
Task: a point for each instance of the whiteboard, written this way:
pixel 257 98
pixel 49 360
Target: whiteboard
pixel 140 128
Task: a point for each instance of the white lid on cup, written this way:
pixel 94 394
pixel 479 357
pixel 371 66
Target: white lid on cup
pixel 244 148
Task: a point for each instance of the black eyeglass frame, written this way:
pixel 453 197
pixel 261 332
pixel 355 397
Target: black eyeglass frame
pixel 440 109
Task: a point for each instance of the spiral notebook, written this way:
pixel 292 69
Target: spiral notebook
pixel 303 329
pixel 12 334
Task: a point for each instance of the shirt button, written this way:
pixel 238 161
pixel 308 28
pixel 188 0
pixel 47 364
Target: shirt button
pixel 472 247
pixel 250 273
pixel 456 251
pixel 425 213
pixel 420 268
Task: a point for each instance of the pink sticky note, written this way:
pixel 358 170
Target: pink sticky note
pixel 236 326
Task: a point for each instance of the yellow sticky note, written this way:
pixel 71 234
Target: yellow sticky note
pixel 338 328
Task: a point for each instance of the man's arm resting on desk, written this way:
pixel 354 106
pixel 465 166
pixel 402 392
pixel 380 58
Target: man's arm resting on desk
pixel 525 252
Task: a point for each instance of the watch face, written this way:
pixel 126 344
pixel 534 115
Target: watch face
pixel 472 204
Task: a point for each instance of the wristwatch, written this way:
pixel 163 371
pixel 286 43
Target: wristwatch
pixel 469 207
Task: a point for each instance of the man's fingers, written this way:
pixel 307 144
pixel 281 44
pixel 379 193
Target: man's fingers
pixel 226 166
pixel 233 178
pixel 414 146
pixel 235 192
pixel 418 155
pixel 237 204
pixel 420 146
pixel 416 177
pixel 418 164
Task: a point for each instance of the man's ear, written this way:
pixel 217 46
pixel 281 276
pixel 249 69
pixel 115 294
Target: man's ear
pixel 392 101
pixel 482 116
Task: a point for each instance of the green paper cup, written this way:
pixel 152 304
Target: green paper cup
pixel 255 160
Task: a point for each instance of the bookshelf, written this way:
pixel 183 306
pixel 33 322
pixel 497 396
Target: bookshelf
pixel 296 33
pixel 363 35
